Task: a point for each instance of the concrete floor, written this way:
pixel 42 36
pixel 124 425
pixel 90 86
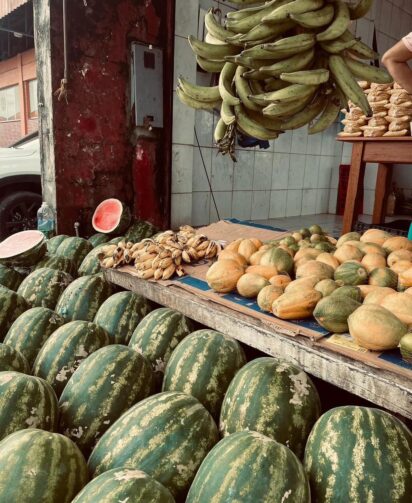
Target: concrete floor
pixel 329 223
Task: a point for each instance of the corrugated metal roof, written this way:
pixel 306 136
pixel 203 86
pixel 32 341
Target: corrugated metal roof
pixel 7 6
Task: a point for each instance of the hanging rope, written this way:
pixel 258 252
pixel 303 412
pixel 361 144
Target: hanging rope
pixel 62 92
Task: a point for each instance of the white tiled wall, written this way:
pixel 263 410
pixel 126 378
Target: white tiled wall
pixel 297 175
pixel 392 20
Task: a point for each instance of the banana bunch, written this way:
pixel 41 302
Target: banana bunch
pixel 162 256
pixel 282 65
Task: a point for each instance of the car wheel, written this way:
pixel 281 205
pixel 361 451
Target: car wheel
pixel 18 212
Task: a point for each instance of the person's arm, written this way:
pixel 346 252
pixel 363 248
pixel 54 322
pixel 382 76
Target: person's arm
pixel 395 60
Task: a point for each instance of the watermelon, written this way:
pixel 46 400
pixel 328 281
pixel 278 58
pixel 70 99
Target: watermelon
pixel 120 314
pixel 203 365
pixel 248 467
pixel 351 273
pixel 12 305
pixel 91 263
pixel 272 397
pixel 64 351
pixel 82 298
pixel 54 243
pixel 23 249
pixel 58 262
pixel 157 335
pixel 124 485
pixel 116 240
pixel 113 378
pixel 111 217
pixel 31 330
pixel 359 454
pixel 43 287
pixel 11 359
pixel 10 278
pixel 26 402
pixel 166 435
pixel 140 230
pixel 40 467
pixel 98 239
pixel 75 248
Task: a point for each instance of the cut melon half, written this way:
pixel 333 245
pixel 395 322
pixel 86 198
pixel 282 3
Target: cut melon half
pixel 111 217
pixel 23 249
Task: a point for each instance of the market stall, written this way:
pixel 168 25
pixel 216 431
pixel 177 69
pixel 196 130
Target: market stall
pixel 382 378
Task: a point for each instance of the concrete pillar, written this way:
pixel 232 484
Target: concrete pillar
pixel 90 147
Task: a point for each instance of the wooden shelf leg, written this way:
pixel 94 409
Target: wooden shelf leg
pixel 382 190
pixel 357 171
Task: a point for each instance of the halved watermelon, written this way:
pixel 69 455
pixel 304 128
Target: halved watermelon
pixel 23 249
pixel 111 217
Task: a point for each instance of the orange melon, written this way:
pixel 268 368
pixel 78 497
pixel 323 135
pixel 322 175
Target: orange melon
pixel 376 236
pixel 296 305
pixel 280 280
pixel 315 268
pixel 401 266
pixel 399 304
pixel 267 297
pixel 395 243
pixel 399 255
pixel 223 275
pixel 328 259
pixel 297 285
pixel 249 285
pixel 373 260
pixel 348 252
pixel 376 296
pixel 247 248
pixel 232 255
pixel 267 271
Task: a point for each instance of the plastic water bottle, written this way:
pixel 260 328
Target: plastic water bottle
pixel 45 220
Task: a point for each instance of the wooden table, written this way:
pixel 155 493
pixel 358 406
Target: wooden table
pixel 383 388
pixel 384 151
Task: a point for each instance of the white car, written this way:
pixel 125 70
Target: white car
pixel 20 185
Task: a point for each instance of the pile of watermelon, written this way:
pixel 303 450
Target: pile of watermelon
pixel 105 399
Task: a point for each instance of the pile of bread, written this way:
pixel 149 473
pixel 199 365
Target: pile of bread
pixel 392 112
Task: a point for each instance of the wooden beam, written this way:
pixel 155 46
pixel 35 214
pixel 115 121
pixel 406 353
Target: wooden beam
pixel 357 171
pixel 382 190
pixel 381 387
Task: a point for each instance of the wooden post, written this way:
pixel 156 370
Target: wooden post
pixel 357 170
pixel 383 184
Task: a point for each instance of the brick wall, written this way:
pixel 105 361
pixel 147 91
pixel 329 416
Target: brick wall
pixel 10 132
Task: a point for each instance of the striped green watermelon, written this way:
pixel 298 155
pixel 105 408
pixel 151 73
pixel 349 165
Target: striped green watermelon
pixel 113 378
pixel 98 239
pixel 75 248
pixel 10 278
pixel 111 217
pixel 167 436
pixel 12 305
pixel 124 485
pixel 120 314
pixel 54 243
pixel 10 359
pixel 248 467
pixel 116 240
pixel 274 398
pixel 359 454
pixel 26 402
pixel 158 334
pixel 58 262
pixel 23 249
pixel 64 351
pixel 91 263
pixel 203 365
pixel 43 287
pixel 31 330
pixel 140 230
pixel 82 298
pixel 40 467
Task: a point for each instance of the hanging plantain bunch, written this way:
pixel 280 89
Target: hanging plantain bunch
pixel 282 65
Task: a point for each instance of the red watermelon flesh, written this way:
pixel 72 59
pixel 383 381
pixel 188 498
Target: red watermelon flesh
pixel 22 247
pixel 111 216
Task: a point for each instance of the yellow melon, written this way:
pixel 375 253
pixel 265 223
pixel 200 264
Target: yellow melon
pixel 267 297
pixel 376 296
pixel 234 245
pixel 348 252
pixel 374 327
pixel 281 280
pixel 371 248
pixel 395 243
pixel 376 236
pixel 249 285
pixel 401 266
pixel 328 259
pixel 257 242
pixel 223 275
pixel 405 278
pixel 255 258
pixel 311 253
pixel 399 304
pixel 247 248
pixel 267 271
pixel 373 260
pixel 232 255
pixel 296 305
pixel 366 289
pixel 315 268
pixel 399 255
pixel 297 285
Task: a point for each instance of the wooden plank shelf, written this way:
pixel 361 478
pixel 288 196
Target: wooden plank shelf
pixel 383 388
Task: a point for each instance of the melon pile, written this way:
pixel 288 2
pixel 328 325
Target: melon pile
pixel 358 283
